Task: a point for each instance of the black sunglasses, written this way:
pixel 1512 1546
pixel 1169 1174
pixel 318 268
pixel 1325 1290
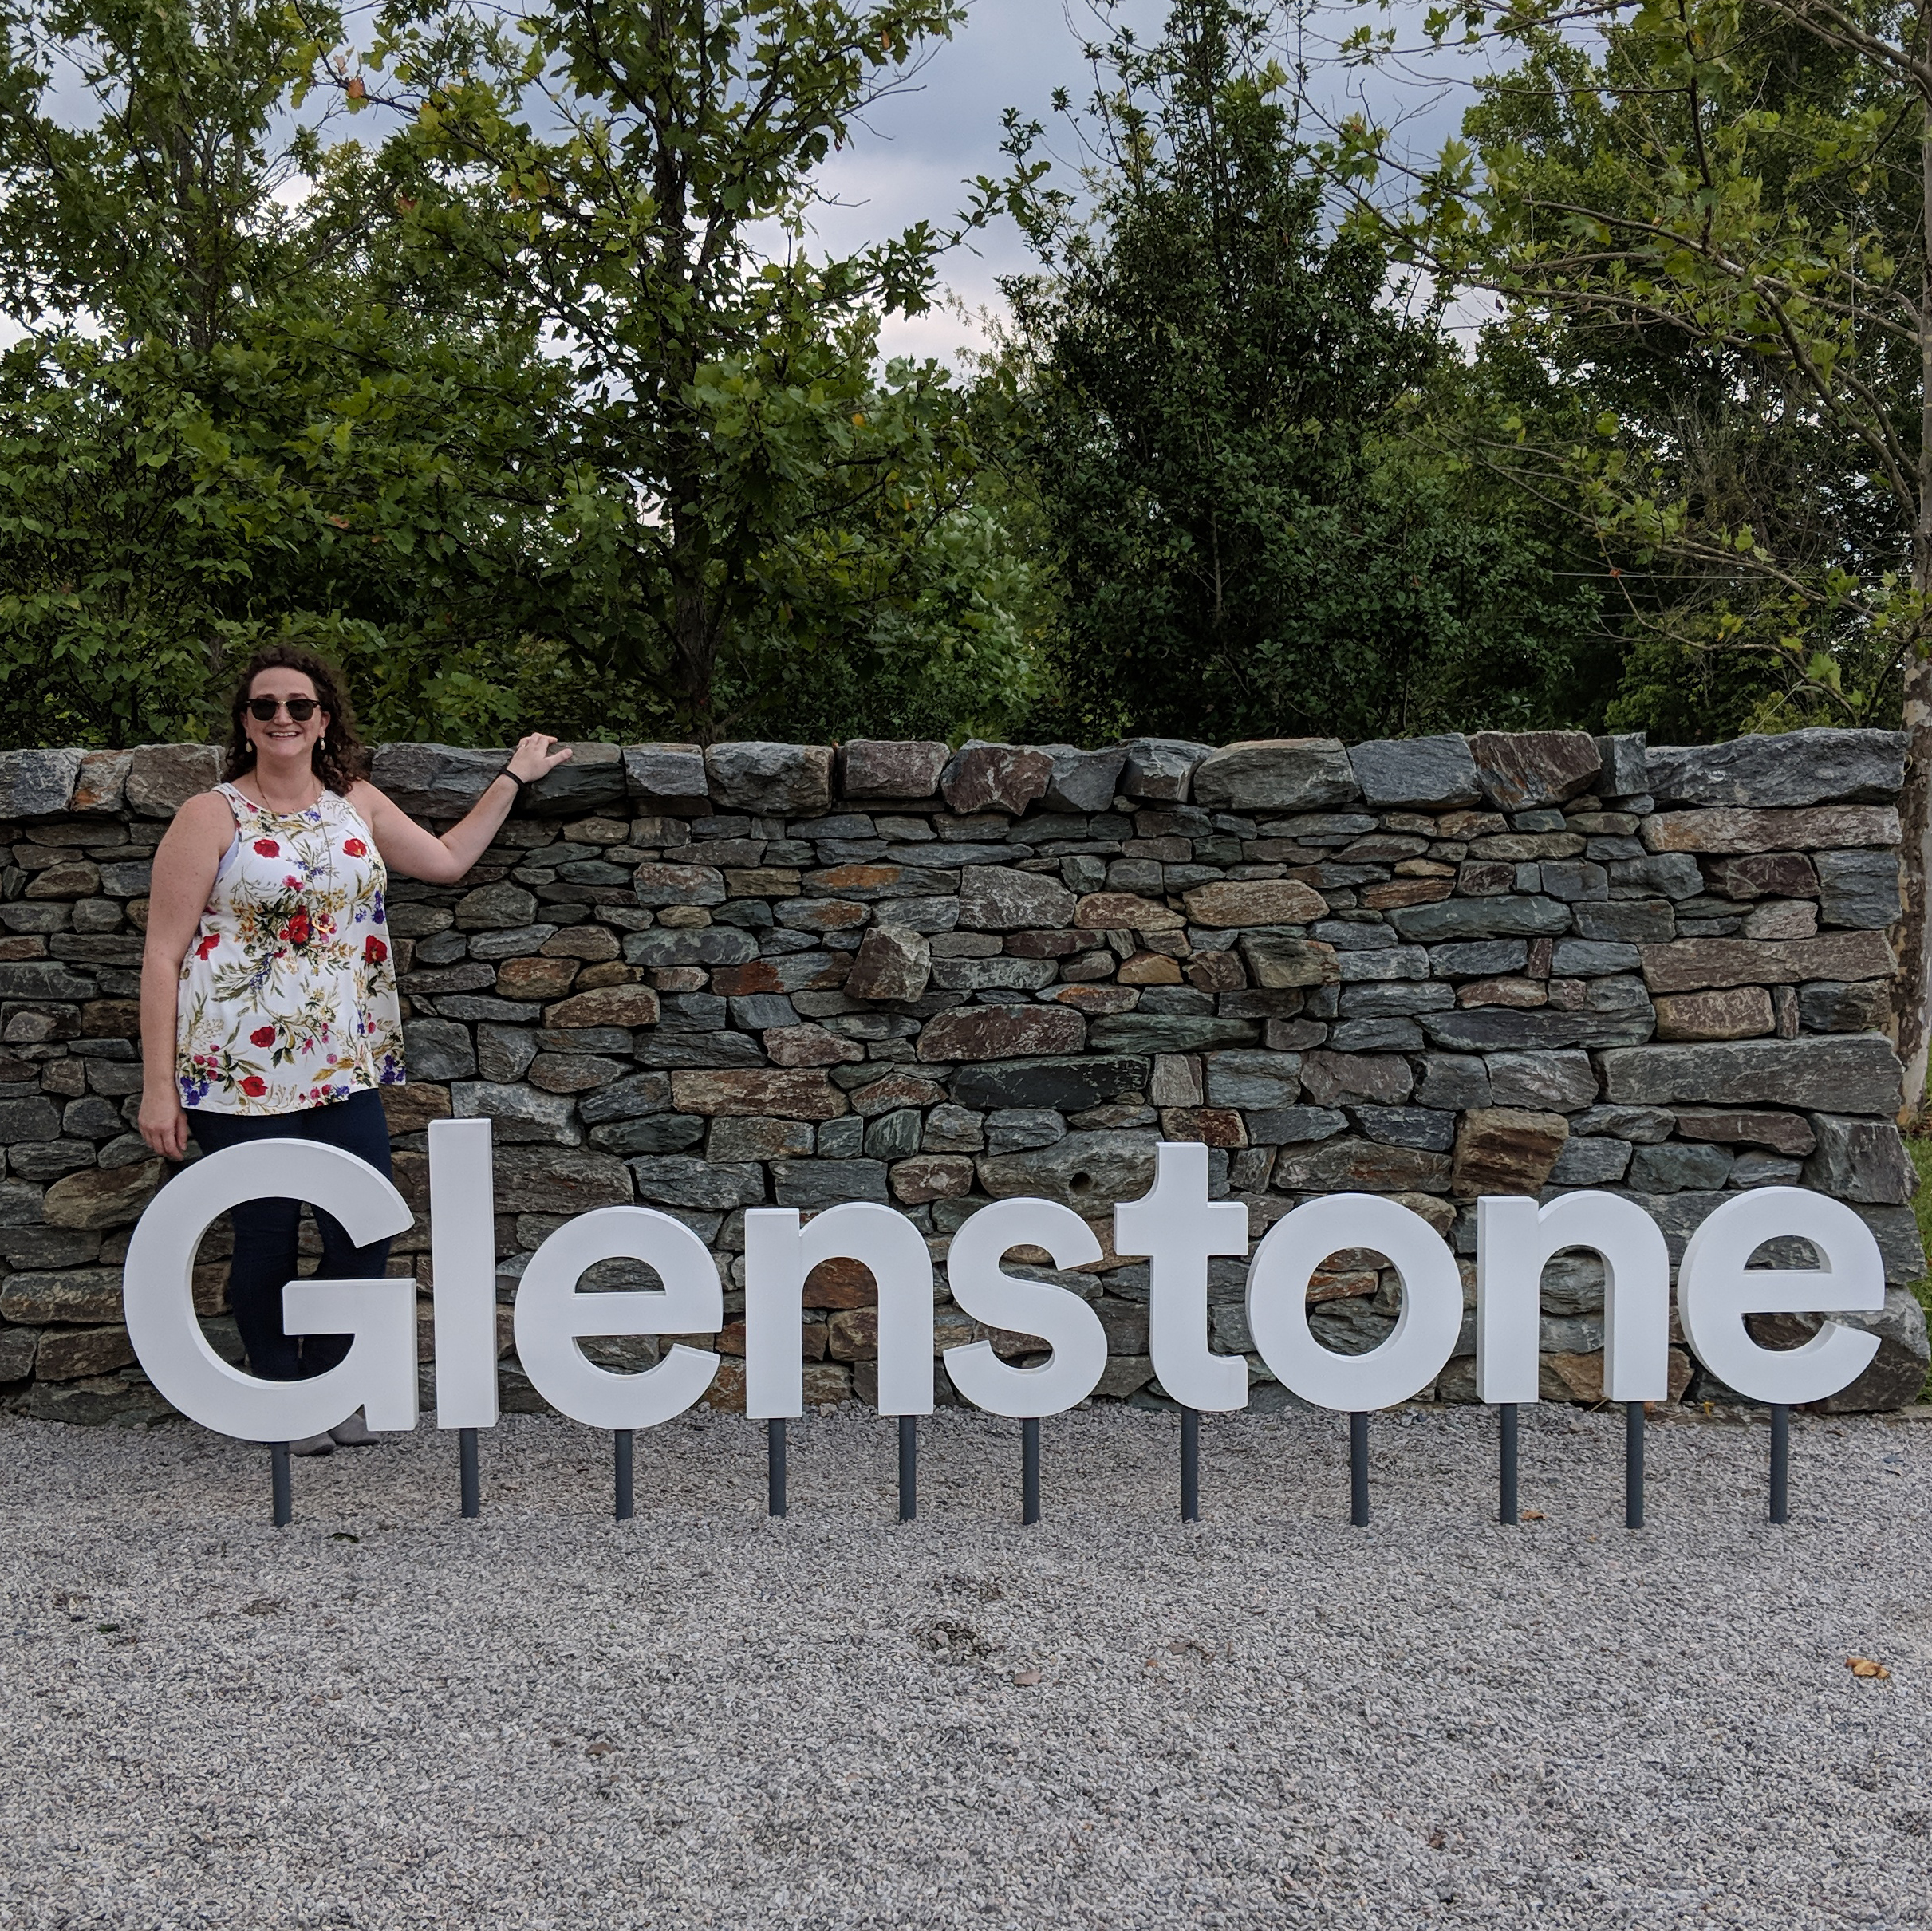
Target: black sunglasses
pixel 300 709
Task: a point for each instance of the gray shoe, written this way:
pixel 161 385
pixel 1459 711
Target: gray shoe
pixel 313 1444
pixel 354 1433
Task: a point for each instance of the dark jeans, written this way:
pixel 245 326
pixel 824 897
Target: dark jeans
pixel 266 1231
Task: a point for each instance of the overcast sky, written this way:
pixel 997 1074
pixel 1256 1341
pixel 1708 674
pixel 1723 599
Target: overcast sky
pixel 920 148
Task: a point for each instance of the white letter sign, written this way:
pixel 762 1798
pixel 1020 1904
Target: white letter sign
pixel 378 1373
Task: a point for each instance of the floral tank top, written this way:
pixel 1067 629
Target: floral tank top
pixel 288 995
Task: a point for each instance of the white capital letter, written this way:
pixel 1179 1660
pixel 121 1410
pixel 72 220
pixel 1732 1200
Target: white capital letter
pixel 1062 1319
pixel 778 1255
pixel 550 1314
pixel 1426 1330
pixel 1178 1228
pixel 1515 1240
pixel 1716 1287
pixel 462 1258
pixel 378 1373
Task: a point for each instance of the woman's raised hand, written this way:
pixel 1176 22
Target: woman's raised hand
pixel 536 756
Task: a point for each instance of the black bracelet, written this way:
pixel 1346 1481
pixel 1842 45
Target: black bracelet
pixel 520 783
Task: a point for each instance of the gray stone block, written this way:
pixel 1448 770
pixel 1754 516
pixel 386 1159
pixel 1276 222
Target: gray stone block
pixel 36 783
pixel 1599 1162
pixel 1086 1171
pixel 1625 772
pixel 1276 774
pixel 1858 889
pixel 998 898
pixel 683 1179
pixel 1426 1127
pixel 1673 875
pixel 1628 922
pixel 1501 1029
pixel 1453 1081
pixel 1376 1036
pixel 775 780
pixel 841 1139
pixel 1295 1125
pixel 1860 1160
pixel 1436 773
pixel 626 1099
pixel 1158 770
pixel 1154 1032
pixel 1676 1167
pixel 1018 1129
pixel 519 1112
pixel 669 776
pixel 428 781
pixel 1858 1074
pixel 1546 1082
pixel 1403 998
pixel 1833 1006
pixel 826 1183
pixel 1794 768
pixel 1480 958
pixel 1065 1084
pixel 1083 780
pixel 1505 917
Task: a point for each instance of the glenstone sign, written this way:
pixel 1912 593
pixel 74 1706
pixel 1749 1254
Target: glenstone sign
pixel 735 986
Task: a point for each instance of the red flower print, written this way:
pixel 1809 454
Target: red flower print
pixel 267 847
pixel 262 1035
pixel 296 931
pixel 374 951
pixel 354 848
pixel 254 1085
pixel 207 945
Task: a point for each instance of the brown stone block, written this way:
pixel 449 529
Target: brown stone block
pixel 409 1108
pixel 872 767
pixel 1217 972
pixel 1149 969
pixel 1694 965
pixel 1125 911
pixel 1521 771
pixel 853 1335
pixel 592 943
pixel 810 1045
pixel 1737 1012
pixel 1042 944
pixel 736 981
pixel 1474 880
pixel 761 881
pixel 827 1384
pixel 536 978
pixel 607 1006
pixel 995 778
pixel 611 972
pixel 98 1197
pixel 111 1019
pixel 892 963
pixel 1823 828
pixel 1254 901
pixel 1501 1149
pixel 841 1282
pixel 1765 875
pixel 1348 1284
pixel 1423 891
pixel 1523 993
pixel 753 1093
pixel 1784 1133
pixel 73 1353
pixel 1211 1125
pixel 1095 999
pixel 1002 1032
pixel 1337 1166
pixel 897 1089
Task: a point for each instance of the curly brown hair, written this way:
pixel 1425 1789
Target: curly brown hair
pixel 340 758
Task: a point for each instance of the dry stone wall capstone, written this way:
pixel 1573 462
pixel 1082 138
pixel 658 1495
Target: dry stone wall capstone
pixel 709 979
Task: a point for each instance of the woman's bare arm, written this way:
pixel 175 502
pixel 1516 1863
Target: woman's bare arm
pixel 185 864
pixel 406 847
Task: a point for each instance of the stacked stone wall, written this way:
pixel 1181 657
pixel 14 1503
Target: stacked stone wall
pixel 756 974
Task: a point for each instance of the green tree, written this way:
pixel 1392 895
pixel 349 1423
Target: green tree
pixel 760 500
pixel 1218 390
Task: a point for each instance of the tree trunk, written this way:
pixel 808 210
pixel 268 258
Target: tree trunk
pixel 1914 981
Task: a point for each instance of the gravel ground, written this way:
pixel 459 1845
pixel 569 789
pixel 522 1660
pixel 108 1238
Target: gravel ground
pixel 385 1716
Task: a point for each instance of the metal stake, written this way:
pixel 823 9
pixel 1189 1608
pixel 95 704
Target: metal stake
pixel 472 1483
pixel 1190 1464
pixel 626 1506
pixel 1030 1469
pixel 1633 1465
pixel 908 1467
pixel 1359 1468
pixel 1780 1462
pixel 1507 1511
pixel 278 1482
pixel 775 1466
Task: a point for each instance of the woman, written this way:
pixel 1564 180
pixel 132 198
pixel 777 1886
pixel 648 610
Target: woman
pixel 268 996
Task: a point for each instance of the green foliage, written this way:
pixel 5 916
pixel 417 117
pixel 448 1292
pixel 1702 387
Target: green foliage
pixel 1705 225
pixel 1219 395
